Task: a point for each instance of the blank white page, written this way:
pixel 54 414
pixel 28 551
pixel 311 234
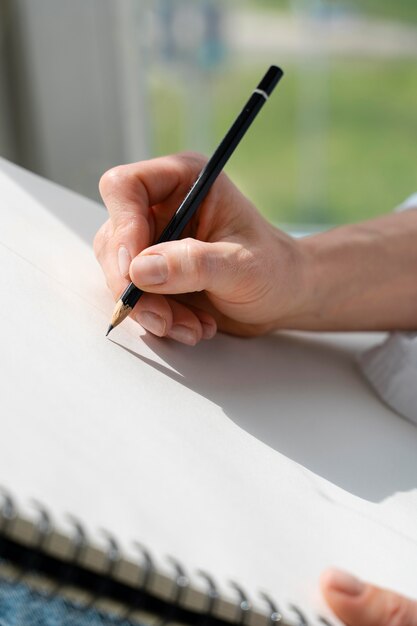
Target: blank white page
pixel 262 461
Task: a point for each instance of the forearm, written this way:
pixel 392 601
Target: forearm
pixel 361 276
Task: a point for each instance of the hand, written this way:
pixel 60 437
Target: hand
pixel 361 604
pixel 233 270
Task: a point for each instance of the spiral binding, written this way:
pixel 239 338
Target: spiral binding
pixel 103 586
pixel 212 596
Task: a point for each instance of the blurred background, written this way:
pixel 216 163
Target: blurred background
pixel 88 84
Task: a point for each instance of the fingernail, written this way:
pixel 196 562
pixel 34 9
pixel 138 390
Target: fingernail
pixel 345 583
pixel 183 334
pixel 124 261
pixel 151 269
pixel 209 330
pixel 152 322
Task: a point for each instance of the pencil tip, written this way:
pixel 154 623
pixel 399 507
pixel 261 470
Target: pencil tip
pixel 110 328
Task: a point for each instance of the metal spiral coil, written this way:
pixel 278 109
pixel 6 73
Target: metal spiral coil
pixel 244 606
pixel 213 596
pixel 275 616
pixel 79 542
pixel 181 584
pixel 302 620
pixel 8 511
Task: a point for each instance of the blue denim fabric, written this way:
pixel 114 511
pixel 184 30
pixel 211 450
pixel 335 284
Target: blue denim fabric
pixel 21 606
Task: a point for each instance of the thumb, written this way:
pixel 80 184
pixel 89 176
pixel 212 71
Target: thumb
pixel 186 266
pixel 361 604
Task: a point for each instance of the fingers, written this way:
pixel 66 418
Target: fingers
pixel 186 266
pixel 361 604
pixel 130 192
pixel 133 188
pixel 165 317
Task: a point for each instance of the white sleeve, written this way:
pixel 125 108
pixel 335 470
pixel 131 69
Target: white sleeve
pixel 391 368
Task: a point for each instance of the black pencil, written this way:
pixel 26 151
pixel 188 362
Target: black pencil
pixel 202 185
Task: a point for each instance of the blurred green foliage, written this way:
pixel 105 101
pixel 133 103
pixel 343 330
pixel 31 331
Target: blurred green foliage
pixel 401 10
pixel 368 141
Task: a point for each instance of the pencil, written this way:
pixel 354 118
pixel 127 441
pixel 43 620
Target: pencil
pixel 204 181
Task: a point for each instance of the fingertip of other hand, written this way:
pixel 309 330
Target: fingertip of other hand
pixel 338 581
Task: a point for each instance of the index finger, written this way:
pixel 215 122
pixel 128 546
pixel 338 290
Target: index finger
pixel 129 191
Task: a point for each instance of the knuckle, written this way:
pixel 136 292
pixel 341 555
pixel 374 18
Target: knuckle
pixel 129 225
pixel 101 238
pixel 194 262
pixel 193 160
pixel 398 611
pixel 133 231
pixel 191 155
pixel 97 245
pixel 248 264
pixel 247 259
pixel 112 180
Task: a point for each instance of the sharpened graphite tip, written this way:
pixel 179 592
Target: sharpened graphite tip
pixel 110 328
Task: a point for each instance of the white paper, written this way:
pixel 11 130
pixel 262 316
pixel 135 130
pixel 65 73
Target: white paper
pixel 262 461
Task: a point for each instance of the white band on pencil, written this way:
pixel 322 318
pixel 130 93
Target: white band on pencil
pixel 261 93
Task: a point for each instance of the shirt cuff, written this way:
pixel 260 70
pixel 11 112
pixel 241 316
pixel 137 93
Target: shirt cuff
pixel 410 203
pixel 391 368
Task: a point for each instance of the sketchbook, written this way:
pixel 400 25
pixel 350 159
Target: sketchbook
pixel 182 484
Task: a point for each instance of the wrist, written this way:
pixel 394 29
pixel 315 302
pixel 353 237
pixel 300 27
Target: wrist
pixel 320 275
pixel 326 282
pixel 314 284
pixel 298 285
pixel 333 279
